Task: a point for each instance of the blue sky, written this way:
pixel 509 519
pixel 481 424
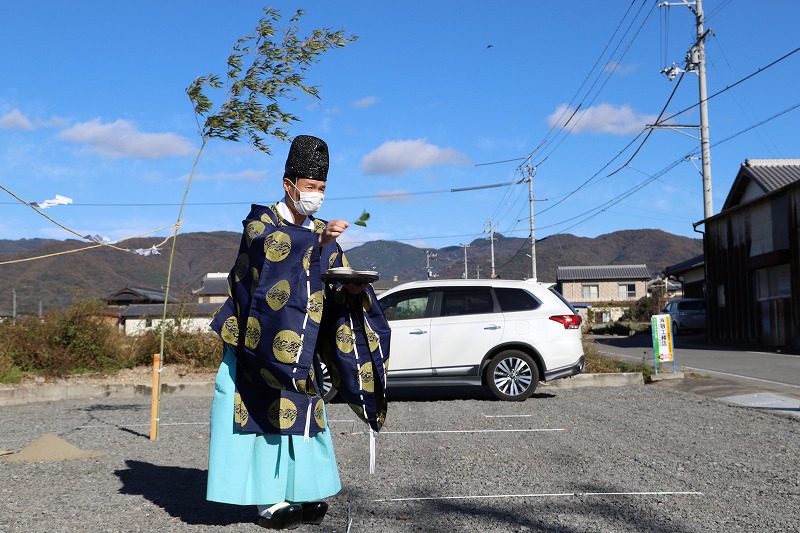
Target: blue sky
pixel 433 96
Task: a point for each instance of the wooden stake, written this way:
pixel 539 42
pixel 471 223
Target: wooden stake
pixel 155 397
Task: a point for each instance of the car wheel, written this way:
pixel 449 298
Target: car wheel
pixel 328 390
pixel 676 330
pixel 512 376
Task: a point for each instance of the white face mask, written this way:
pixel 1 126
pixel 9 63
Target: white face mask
pixel 309 202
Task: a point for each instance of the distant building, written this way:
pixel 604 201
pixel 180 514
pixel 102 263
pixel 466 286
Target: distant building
pixel 138 318
pixel 608 290
pixel 752 257
pixel 691 275
pixel 142 309
pixel 214 288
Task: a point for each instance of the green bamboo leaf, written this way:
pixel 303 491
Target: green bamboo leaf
pixel 362 220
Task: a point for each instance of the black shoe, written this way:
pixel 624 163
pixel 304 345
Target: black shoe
pixel 288 517
pixel 314 512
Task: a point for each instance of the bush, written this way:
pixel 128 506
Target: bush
pixel 201 349
pixel 27 343
pixel 91 342
pixel 644 308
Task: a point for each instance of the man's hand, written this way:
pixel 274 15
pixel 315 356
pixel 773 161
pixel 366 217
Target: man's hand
pixel 333 229
pixel 355 288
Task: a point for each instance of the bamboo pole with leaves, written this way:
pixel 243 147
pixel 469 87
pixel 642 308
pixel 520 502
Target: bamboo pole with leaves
pixel 265 68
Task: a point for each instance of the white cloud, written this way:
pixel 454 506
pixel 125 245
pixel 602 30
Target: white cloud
pixel 15 120
pixel 603 118
pixel 364 103
pixel 620 69
pixel 396 157
pixel 121 139
pixel 244 175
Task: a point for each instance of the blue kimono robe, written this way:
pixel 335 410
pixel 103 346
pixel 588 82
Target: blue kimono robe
pixel 280 313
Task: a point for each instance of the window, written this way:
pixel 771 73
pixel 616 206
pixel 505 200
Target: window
pixel 773 282
pixel 515 300
pixel 467 301
pixel 590 292
pixel 148 322
pixel 406 305
pixel 626 291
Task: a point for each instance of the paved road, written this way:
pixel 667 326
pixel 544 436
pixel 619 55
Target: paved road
pixel 742 370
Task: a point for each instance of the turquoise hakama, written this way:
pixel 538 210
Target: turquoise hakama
pixel 264 468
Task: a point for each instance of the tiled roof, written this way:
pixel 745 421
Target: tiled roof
pixel 131 294
pixel 213 286
pixel 571 273
pixel 689 264
pixel 766 174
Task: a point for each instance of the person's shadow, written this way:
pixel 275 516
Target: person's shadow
pixel 181 492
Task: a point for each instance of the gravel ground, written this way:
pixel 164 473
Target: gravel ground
pixel 639 458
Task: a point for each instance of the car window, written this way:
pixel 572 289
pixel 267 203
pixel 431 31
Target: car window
pixel 467 301
pixel 515 299
pixel 692 305
pixel 561 297
pixel 406 305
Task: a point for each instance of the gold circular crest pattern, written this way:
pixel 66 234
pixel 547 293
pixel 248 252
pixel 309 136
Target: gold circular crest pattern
pixel 278 295
pixel 365 372
pixel 286 345
pixel 314 306
pixel 277 246
pixel 253 230
pixel 266 220
pixel 282 413
pixel 345 339
pixel 267 376
pixel 319 413
pixel 252 334
pixel 307 258
pixel 254 275
pixel 230 331
pixel 345 262
pixel 372 339
pixel 240 414
pixel 319 226
pixel 332 259
pixel 241 267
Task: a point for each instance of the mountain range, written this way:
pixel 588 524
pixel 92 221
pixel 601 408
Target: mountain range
pixel 51 275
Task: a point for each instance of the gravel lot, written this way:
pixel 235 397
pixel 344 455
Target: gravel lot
pixel 638 458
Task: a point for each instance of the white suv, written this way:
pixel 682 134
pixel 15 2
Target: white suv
pixel 504 334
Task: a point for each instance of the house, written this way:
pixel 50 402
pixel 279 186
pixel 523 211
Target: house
pixel 138 318
pixel 608 289
pixel 214 288
pixel 142 309
pixel 752 257
pixel 691 275
pixel 133 295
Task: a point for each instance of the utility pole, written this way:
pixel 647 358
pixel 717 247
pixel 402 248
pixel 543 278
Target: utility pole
pixel 531 171
pixel 696 62
pixel 13 305
pixel 491 246
pixel 465 246
pixel 428 256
